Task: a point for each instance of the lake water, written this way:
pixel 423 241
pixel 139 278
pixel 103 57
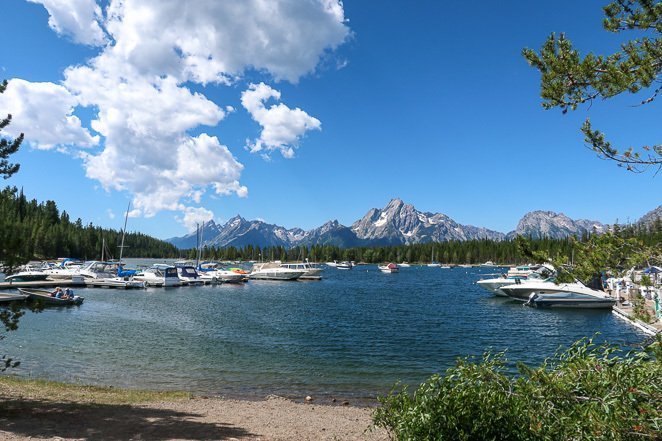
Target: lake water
pixel 351 335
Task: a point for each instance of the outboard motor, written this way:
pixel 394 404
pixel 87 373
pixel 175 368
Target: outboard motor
pixel 533 296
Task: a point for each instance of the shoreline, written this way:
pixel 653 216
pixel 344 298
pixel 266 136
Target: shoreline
pixel 43 409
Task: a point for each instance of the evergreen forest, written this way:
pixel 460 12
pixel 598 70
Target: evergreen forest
pixel 38 230
pixel 451 252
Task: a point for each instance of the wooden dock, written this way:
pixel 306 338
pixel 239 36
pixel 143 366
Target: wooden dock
pixel 41 284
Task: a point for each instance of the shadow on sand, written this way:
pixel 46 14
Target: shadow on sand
pixel 46 419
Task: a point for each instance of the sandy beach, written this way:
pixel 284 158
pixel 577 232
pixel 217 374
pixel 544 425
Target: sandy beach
pixel 40 413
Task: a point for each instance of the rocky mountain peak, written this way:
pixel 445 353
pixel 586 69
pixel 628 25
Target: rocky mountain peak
pixel 548 224
pixel 396 224
pixel 651 217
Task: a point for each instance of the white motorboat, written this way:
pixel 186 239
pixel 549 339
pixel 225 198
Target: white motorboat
pixel 159 275
pixel 344 265
pixel 571 298
pixel 494 285
pixel 563 295
pixel 65 269
pixel 96 269
pixel 27 276
pixel 213 272
pixel 312 272
pixel 489 263
pixel 274 271
pixel 523 271
pixel 332 264
pixel 404 265
pixel 109 275
pixel 389 268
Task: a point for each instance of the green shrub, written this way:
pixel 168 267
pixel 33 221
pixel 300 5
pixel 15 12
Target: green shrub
pixel 586 392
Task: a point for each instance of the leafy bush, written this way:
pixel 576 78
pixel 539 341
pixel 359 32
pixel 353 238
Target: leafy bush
pixel 587 392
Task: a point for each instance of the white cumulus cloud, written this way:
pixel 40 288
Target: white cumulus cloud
pixel 192 216
pixel 139 90
pixel 44 113
pixel 78 19
pixel 282 127
pixel 215 41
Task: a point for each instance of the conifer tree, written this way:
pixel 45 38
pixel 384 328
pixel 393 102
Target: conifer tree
pixel 7 147
pixel 568 80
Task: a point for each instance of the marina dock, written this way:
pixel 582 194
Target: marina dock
pixel 41 284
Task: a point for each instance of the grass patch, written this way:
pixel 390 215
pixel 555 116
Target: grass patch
pixel 54 391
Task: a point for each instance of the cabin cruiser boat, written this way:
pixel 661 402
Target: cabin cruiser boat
pixel 345 265
pixel 274 271
pixel 188 275
pixel 493 285
pixel 389 268
pixel 312 272
pixel 159 275
pixel 563 295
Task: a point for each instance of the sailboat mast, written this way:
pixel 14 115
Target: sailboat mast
pixel 197 245
pixel 126 218
pixel 201 242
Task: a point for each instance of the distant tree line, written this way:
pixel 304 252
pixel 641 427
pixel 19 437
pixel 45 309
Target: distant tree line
pixel 451 252
pixel 38 230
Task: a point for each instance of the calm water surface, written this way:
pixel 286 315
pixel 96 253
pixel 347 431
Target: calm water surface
pixel 354 334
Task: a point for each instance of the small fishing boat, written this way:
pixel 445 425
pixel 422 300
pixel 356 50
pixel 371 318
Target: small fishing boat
pixel 45 296
pixel 9 297
pixel 389 268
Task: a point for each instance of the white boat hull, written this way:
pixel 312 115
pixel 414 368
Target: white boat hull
pixel 570 300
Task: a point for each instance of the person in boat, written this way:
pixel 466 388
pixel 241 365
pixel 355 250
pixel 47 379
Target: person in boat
pixel 57 293
pixel 68 294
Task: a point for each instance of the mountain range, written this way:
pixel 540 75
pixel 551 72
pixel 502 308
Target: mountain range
pixel 397 223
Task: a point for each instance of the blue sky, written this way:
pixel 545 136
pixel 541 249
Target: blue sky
pixel 427 101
